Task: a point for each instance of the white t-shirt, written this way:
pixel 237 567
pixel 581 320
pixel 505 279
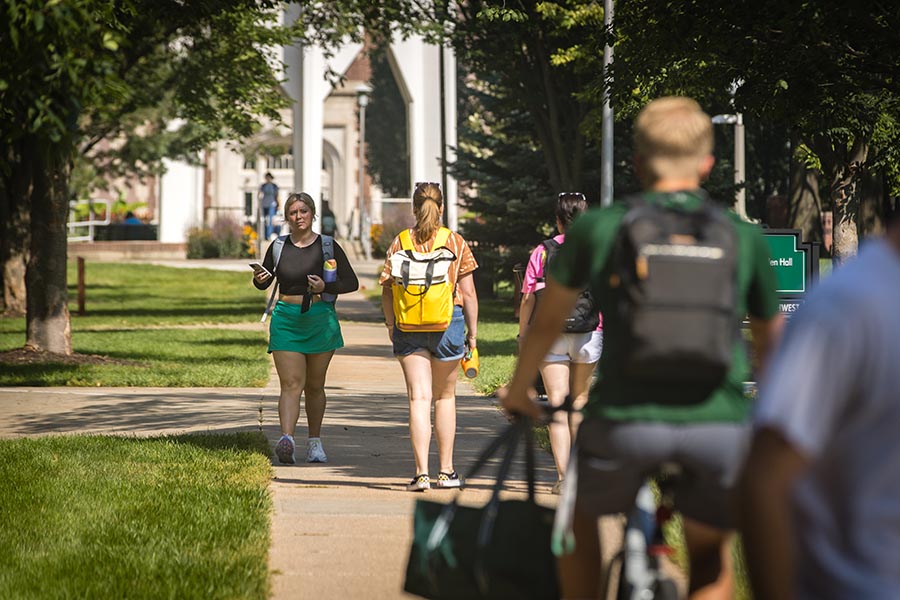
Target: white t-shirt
pixel 833 391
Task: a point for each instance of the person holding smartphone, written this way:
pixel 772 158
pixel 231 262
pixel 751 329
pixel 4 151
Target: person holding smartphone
pixel 304 331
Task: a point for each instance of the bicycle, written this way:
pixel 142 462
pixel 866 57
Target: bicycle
pixel 640 575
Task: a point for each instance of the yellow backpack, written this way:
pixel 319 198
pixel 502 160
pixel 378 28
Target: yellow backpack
pixel 423 296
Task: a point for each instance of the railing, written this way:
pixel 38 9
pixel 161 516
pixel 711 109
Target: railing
pixel 90 223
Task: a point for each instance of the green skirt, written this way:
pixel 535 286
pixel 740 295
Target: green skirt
pixel 317 330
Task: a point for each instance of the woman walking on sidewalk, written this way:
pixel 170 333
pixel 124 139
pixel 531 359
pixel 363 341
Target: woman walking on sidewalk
pixel 430 359
pixel 568 367
pixel 304 331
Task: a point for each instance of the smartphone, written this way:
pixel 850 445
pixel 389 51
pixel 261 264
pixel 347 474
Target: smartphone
pixel 257 267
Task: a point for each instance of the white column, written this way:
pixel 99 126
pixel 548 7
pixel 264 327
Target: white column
pixel 451 194
pixel 309 124
pixel 180 200
pixel 418 63
pixel 180 197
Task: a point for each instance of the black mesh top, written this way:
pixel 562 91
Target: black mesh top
pixel 296 263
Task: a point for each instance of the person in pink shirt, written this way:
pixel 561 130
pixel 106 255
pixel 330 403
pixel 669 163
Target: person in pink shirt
pixel 568 367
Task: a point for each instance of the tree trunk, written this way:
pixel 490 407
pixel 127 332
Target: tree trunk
pixel 15 230
pixel 47 321
pixel 557 117
pixel 14 259
pixel 845 200
pixel 804 201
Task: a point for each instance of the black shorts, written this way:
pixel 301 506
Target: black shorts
pixel 614 458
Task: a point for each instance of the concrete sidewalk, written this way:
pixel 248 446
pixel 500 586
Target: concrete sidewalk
pixel 341 529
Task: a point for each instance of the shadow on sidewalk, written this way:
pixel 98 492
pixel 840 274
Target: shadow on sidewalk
pixel 366 437
pixel 125 412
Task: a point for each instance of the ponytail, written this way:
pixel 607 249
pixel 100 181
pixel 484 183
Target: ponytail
pixel 427 203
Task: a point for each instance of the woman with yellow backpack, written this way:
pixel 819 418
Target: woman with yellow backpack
pixel 431 313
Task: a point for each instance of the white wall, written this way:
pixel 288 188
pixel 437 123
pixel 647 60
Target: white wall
pixel 180 201
pixel 419 66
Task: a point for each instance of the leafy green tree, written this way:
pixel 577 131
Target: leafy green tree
pixel 508 195
pixel 825 72
pixel 387 140
pixel 522 134
pixel 77 72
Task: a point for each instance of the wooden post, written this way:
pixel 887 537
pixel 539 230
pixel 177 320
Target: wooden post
pixel 81 285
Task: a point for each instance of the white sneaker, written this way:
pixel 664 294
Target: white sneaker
pixel 314 451
pixel 419 483
pixel 448 480
pixel 284 450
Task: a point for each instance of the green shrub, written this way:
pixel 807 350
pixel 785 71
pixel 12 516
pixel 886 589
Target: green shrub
pixel 225 239
pixel 201 244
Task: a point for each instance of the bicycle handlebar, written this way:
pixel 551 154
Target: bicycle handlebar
pixel 547 411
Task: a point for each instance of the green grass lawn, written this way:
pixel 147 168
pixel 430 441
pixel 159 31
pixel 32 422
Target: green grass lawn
pixel 111 517
pixel 139 295
pixel 162 326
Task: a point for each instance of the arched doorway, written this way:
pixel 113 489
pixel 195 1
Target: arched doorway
pixel 333 186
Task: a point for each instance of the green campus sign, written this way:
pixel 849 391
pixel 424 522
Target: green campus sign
pixel 790 262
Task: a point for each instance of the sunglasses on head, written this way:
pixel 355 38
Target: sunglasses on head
pixel 575 195
pixel 421 183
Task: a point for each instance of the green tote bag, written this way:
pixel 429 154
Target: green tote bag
pixel 498 551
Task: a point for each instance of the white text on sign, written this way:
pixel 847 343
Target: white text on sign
pixel 781 262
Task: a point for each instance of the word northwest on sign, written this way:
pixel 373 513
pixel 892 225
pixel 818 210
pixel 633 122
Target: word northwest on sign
pixel 781 262
pixel 789 307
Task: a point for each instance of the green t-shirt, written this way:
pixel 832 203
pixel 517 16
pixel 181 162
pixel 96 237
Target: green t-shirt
pixel 584 260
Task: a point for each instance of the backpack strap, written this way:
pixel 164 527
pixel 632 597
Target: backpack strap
pixel 440 240
pixel 277 247
pixel 549 245
pixel 406 241
pixel 328 254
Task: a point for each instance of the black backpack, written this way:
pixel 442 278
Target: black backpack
pixel 584 316
pixel 676 275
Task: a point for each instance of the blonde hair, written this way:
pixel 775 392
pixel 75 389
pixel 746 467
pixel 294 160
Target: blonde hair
pixel 427 203
pixel 672 135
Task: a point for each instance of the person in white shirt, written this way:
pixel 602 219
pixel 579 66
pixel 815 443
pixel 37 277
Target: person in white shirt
pixel 820 491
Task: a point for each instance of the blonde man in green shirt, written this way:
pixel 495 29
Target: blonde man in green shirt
pixel 635 424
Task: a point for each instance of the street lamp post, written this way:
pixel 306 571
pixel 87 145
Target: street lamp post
pixel 606 135
pixel 737 120
pixel 362 98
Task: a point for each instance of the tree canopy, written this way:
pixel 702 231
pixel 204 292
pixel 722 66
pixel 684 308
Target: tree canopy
pixel 819 73
pixel 822 71
pixel 75 72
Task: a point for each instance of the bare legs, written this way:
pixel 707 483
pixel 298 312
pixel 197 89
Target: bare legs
pixel 711 572
pixel 580 572
pixel 427 380
pixel 301 373
pixel 560 380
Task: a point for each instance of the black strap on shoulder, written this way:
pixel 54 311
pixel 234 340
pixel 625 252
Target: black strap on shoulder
pixel 550 245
